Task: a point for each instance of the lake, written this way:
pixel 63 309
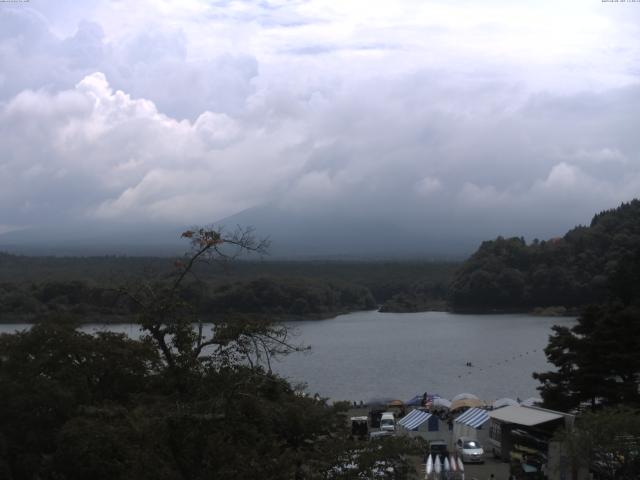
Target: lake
pixel 365 355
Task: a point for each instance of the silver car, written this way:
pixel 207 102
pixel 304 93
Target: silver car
pixel 469 450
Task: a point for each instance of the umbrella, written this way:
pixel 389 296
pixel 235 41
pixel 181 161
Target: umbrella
pixel 441 403
pixel 428 466
pixel 461 468
pixel 466 402
pixel 504 402
pixel 447 467
pixel 464 396
pixel 437 467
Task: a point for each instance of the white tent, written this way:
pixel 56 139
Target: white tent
pixel 531 401
pixel 438 403
pixel 464 396
pixel 419 423
pixel 474 424
pixel 504 402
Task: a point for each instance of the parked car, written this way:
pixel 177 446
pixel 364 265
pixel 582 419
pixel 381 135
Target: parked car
pixel 388 422
pixel 469 450
pixel 359 427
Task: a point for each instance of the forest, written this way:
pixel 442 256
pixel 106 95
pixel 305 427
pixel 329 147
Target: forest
pixel 572 271
pixel 32 288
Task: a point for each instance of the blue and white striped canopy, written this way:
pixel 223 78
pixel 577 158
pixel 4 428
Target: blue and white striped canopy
pixel 474 417
pixel 414 419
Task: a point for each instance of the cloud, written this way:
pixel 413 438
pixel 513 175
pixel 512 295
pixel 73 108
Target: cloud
pixel 98 151
pixel 151 62
pixel 456 115
pixel 428 186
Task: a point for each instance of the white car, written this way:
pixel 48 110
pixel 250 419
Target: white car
pixel 469 450
pixel 388 422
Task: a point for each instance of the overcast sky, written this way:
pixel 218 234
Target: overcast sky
pixel 495 113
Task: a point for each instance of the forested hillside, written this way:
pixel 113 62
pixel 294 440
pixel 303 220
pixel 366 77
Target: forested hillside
pixel 87 287
pixel 572 271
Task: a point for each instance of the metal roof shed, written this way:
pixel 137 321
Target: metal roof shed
pixel 515 429
pixel 526 416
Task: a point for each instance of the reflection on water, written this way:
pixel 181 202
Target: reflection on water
pixel 364 355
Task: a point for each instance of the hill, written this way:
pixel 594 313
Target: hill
pixel 575 270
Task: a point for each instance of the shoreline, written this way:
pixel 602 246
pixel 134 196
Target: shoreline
pixel 556 311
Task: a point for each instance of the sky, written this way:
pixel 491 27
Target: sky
pixel 501 117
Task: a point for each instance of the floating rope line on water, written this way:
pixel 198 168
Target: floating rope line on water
pixel 496 364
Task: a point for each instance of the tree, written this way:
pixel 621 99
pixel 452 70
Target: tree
pixel 606 442
pixel 597 360
pixel 175 327
pixel 183 402
pixel 49 372
pixel 572 271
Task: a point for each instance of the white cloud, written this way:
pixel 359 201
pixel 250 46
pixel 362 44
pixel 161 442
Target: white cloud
pixel 190 111
pixel 93 150
pixel 428 186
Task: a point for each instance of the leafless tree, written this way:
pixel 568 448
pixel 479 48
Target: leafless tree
pixel 178 330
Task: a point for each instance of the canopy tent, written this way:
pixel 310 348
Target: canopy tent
pixel 531 401
pixel 504 402
pixel 474 417
pixel 471 425
pixel 441 403
pixel 466 402
pixel 427 400
pixel 464 396
pixel 414 419
pixel 420 423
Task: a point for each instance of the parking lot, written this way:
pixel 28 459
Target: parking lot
pixel 483 471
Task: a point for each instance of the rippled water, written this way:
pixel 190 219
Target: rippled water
pixel 370 354
pixel 364 355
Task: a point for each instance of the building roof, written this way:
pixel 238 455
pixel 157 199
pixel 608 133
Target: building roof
pixel 414 419
pixel 524 415
pixel 474 417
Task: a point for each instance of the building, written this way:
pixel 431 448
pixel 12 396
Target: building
pixel 522 435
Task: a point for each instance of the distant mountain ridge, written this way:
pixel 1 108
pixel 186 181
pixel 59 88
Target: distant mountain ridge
pixel 294 234
pixel 95 239
pixel 572 271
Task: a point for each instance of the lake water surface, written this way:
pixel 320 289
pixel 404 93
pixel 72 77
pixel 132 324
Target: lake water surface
pixel 364 355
